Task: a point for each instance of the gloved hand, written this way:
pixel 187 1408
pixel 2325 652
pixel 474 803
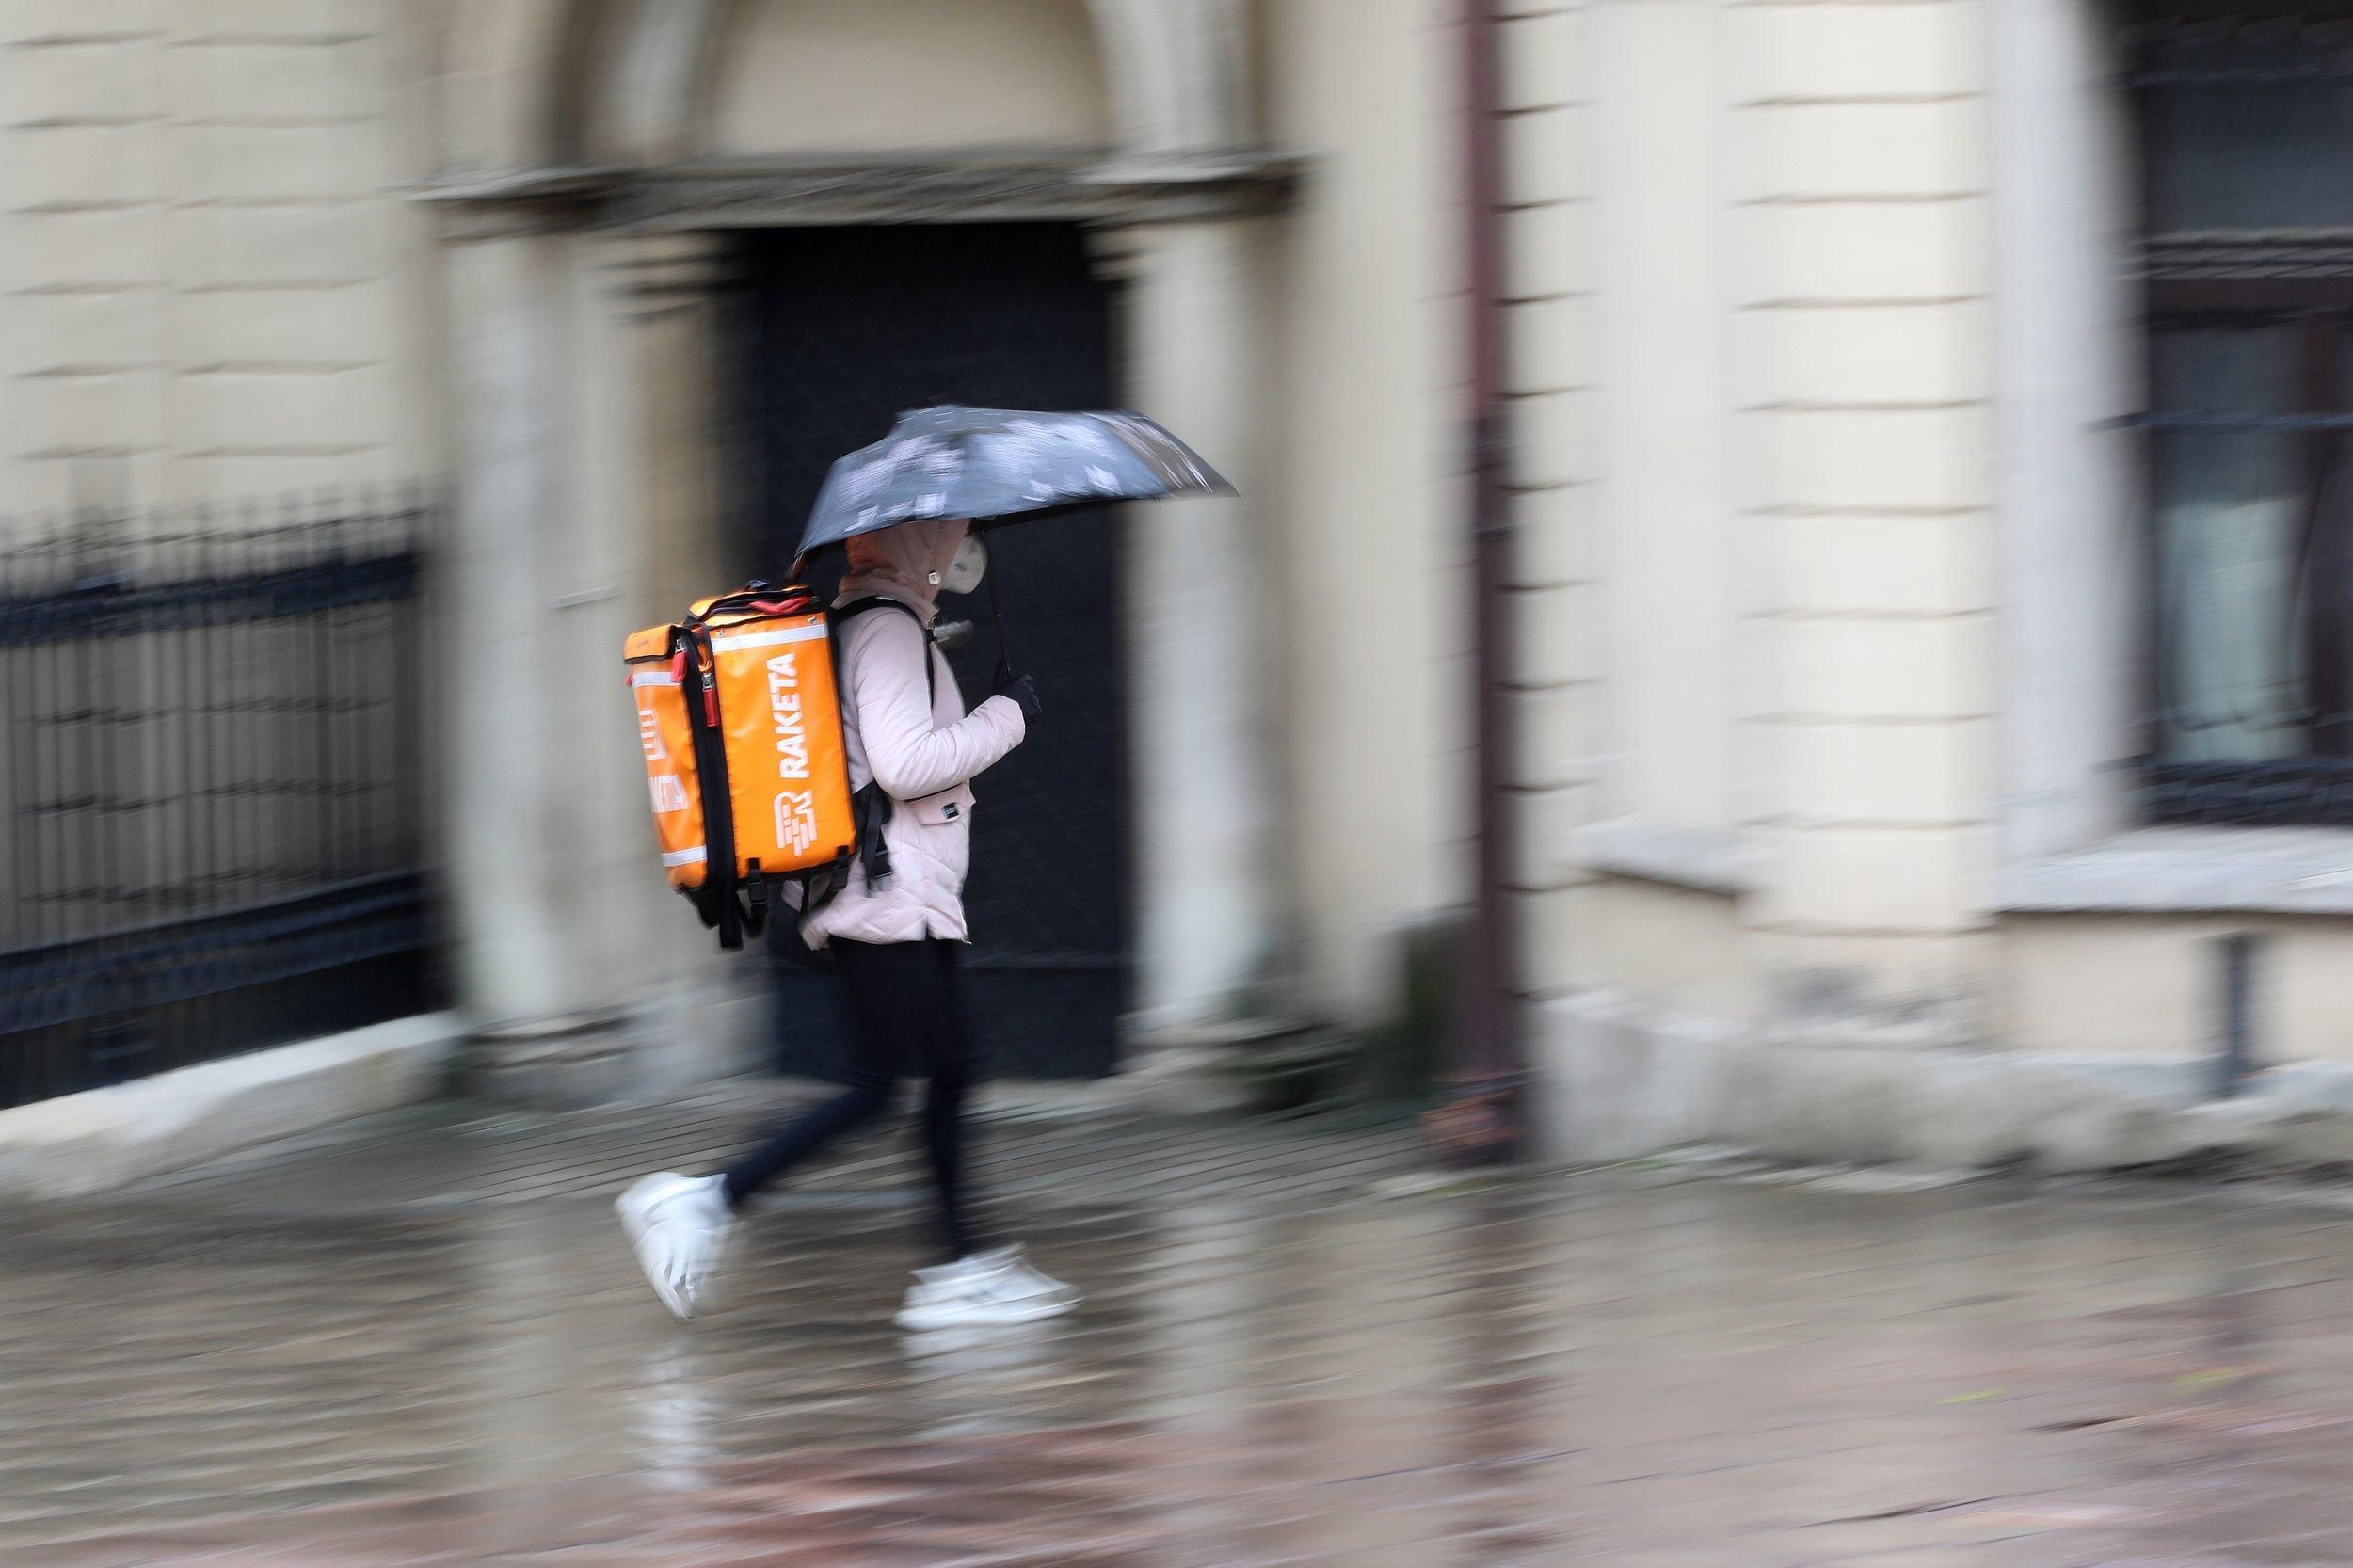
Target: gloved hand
pixel 1018 687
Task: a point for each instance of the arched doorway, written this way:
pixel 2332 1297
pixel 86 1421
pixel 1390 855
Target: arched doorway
pixel 601 222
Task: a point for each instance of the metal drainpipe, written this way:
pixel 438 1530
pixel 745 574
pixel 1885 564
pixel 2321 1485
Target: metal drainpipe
pixel 1479 1122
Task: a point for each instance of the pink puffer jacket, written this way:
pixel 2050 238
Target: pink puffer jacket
pixel 911 736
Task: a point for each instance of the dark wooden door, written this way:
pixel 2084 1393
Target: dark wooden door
pixel 838 331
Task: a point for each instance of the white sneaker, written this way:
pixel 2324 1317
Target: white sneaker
pixel 681 1227
pixel 1028 1279
pixel 985 1290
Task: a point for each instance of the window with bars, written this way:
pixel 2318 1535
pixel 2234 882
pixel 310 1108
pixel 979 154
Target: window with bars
pixel 2246 126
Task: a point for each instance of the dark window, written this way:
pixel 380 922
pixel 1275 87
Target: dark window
pixel 2247 139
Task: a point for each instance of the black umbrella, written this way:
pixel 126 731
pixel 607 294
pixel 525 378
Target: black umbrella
pixel 999 465
pixel 993 465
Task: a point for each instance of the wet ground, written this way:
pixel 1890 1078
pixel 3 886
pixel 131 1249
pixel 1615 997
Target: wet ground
pixel 421 1342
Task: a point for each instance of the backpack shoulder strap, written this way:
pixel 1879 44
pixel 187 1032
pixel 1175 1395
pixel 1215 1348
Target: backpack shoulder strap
pixel 856 607
pixel 872 806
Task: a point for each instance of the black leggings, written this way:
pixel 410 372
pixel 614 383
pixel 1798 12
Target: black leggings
pixel 906 1007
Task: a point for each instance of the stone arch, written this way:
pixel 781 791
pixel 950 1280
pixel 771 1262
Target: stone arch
pixel 556 83
pixel 576 284
pixel 507 73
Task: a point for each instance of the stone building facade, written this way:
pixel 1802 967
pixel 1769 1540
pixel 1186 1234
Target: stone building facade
pixel 1960 691
pixel 1831 601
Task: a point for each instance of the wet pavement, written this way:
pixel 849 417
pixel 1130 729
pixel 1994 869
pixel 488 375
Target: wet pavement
pixel 445 1357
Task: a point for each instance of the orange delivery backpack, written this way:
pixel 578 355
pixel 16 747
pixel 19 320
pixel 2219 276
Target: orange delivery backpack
pixel 739 715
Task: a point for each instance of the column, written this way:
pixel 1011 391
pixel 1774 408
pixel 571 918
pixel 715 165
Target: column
pixel 1207 878
pixel 1869 432
pixel 514 819
pixel 582 435
pixel 696 1012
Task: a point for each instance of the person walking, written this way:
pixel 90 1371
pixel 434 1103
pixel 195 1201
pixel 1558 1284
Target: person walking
pixel 896 942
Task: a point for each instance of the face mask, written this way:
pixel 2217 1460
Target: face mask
pixel 965 572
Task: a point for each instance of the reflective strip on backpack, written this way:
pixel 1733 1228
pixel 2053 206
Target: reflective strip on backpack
pixel 651 677
pixel 694 857
pixel 814 632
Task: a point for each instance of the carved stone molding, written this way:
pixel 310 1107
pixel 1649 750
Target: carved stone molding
pixel 735 194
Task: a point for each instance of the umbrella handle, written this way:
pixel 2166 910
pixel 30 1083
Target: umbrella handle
pixel 997 618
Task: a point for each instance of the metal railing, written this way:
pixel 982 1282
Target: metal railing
pixel 211 802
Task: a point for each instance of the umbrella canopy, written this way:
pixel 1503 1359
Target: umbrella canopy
pixel 991 464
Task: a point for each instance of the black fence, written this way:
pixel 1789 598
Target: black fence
pixel 211 802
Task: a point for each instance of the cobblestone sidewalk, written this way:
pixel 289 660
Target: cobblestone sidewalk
pixel 421 1342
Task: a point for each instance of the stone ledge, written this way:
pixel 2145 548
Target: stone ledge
pixel 2192 871
pixel 1699 859
pixel 95 1142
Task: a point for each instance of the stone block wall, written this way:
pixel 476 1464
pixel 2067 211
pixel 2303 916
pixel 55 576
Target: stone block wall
pixel 1549 377
pixel 1831 160
pixel 212 289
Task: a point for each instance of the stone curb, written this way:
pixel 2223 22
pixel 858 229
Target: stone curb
pixel 104 1139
